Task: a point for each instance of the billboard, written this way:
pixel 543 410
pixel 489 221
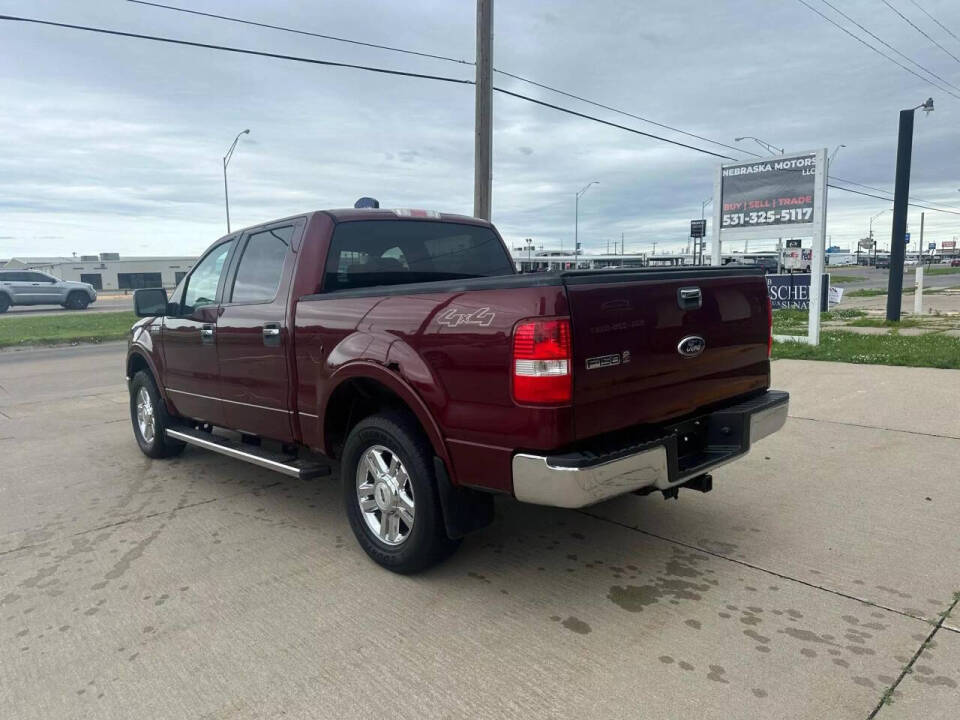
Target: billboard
pixel 948 245
pixel 766 193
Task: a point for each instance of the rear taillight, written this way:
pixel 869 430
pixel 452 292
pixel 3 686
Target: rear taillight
pixel 769 326
pixel 542 362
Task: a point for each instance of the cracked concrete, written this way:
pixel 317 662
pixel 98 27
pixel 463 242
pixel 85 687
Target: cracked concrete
pixel 801 587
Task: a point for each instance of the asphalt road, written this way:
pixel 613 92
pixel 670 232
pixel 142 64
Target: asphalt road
pixel 873 278
pixel 104 303
pixel 809 583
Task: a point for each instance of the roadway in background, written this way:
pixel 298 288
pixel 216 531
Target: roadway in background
pixel 105 303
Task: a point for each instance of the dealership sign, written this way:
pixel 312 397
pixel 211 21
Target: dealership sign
pixel 768 192
pixel 784 196
pixel 793 291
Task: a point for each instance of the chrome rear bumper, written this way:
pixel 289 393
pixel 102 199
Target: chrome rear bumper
pixel 578 479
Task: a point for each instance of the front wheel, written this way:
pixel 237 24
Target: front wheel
pixel 4 303
pixel 78 301
pixel 150 418
pixel 390 494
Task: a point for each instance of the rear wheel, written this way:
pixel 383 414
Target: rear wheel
pixel 4 303
pixel 78 301
pixel 150 418
pixel 390 494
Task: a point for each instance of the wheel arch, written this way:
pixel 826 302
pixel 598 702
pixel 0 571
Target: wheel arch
pixel 137 360
pixel 361 389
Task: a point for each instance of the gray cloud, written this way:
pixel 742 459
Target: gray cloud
pixel 109 144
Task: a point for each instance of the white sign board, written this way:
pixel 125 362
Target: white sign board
pixel 775 197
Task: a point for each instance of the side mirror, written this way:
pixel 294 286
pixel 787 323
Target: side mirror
pixel 150 302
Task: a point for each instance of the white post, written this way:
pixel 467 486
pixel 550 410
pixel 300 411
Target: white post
pixel 918 295
pixel 818 249
pixel 715 248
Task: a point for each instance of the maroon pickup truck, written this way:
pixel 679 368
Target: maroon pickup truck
pixel 404 345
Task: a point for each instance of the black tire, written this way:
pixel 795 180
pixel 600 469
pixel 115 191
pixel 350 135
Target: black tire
pixel 4 303
pixel 159 445
pixel 426 542
pixel 78 300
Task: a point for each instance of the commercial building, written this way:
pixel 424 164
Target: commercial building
pixel 108 271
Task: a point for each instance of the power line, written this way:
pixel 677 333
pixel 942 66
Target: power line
pixel 888 192
pixel 624 112
pixel 946 29
pixel 920 30
pixel 879 52
pixel 303 32
pixel 368 68
pixel 878 197
pixel 521 78
pixel 886 44
pixel 607 122
pixel 241 51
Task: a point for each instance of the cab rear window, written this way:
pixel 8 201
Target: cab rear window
pixel 368 253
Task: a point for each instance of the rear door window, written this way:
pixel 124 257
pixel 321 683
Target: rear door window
pixel 368 253
pixel 261 266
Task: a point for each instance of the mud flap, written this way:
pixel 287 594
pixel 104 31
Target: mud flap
pixel 464 510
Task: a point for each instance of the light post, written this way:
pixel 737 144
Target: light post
pixel 772 149
pixel 870 235
pixel 703 209
pixel 226 161
pixel 901 192
pixel 833 155
pixel 576 218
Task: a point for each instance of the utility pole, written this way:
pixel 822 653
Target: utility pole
pixel 900 195
pixel 483 140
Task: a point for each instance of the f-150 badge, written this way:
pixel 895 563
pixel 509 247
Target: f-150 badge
pixel 602 361
pixel 455 318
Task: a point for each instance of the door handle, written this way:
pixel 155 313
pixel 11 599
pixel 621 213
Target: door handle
pixel 271 334
pixel 207 333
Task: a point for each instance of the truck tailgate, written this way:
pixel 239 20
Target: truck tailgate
pixel 650 345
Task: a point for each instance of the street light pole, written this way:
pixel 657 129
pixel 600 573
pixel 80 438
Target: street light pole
pixel 870 235
pixel 833 156
pixel 703 209
pixel 226 161
pixel 772 149
pixel 576 217
pixel 901 192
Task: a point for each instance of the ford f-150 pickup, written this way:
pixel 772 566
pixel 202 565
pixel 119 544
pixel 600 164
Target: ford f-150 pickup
pixel 404 345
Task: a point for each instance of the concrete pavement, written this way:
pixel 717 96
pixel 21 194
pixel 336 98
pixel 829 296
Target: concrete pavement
pixel 808 584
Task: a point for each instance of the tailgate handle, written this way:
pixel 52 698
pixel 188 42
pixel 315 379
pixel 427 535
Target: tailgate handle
pixel 689 298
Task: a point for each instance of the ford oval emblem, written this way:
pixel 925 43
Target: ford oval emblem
pixel 691 346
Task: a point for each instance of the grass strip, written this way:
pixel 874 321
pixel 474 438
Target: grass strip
pixel 931 350
pixel 26 329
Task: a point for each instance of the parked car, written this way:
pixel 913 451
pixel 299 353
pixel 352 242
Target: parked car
pixel 404 345
pixel 955 262
pixel 30 287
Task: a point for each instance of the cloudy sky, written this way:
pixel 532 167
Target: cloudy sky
pixel 115 144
